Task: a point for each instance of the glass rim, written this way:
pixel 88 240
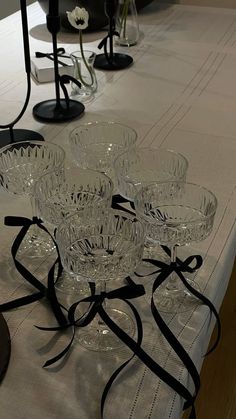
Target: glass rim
pixel 195 185
pixel 103 175
pixel 93 124
pixel 172 152
pixel 72 54
pixel 66 221
pixel 36 142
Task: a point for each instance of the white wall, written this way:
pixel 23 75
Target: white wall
pixel 10 6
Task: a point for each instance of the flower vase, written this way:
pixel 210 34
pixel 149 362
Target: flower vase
pixel 84 73
pixel 127 23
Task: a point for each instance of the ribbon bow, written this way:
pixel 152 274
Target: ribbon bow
pixel 50 55
pixel 43 291
pixel 103 44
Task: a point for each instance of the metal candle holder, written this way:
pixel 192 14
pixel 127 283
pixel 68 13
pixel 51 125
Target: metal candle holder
pixel 9 134
pixel 112 60
pixel 57 110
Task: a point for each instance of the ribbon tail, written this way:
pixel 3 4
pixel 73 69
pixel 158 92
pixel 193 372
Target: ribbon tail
pixel 121 367
pixel 153 366
pixel 53 328
pixel 176 346
pixel 212 308
pixel 51 294
pixel 22 301
pixel 61 354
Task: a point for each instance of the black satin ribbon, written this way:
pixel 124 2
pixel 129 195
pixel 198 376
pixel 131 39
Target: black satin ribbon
pixel 65 79
pixel 60 53
pixel 124 293
pixel 117 200
pixel 43 291
pixel 103 44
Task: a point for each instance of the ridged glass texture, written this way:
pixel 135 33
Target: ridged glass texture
pixel 96 145
pixel 22 163
pixel 176 213
pixel 136 169
pixel 58 195
pixel 100 244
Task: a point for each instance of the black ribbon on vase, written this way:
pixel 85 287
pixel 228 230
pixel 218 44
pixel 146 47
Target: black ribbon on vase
pixel 43 291
pixel 124 293
pixel 103 44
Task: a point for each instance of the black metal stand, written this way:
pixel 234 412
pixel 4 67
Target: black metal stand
pixel 9 134
pixel 56 110
pixel 111 60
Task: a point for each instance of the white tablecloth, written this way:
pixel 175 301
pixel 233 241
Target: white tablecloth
pixel 179 94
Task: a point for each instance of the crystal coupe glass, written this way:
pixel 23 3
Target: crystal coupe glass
pixel 175 214
pixel 95 145
pixel 21 164
pixel 141 166
pixel 101 245
pixel 59 195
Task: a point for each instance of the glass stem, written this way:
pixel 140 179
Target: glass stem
pixel 100 322
pixel 103 288
pixel 173 283
pixel 34 228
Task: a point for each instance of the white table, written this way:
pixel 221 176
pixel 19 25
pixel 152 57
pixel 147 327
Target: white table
pixel 179 94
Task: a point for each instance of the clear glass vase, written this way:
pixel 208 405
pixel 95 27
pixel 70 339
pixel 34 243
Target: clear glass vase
pixel 84 73
pixel 127 23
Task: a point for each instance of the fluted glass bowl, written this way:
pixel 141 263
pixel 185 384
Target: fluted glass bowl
pixel 96 145
pixel 21 164
pixel 100 244
pixel 176 213
pixel 142 166
pixel 59 195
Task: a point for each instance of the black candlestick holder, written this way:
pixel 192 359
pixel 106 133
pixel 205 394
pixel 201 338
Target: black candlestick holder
pixel 57 110
pixel 9 134
pixel 112 60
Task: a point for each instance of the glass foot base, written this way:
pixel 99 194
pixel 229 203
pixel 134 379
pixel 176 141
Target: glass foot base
pixel 98 337
pixel 37 246
pixel 176 301
pixel 70 284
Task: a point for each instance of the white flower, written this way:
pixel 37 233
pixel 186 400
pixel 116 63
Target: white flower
pixel 78 18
